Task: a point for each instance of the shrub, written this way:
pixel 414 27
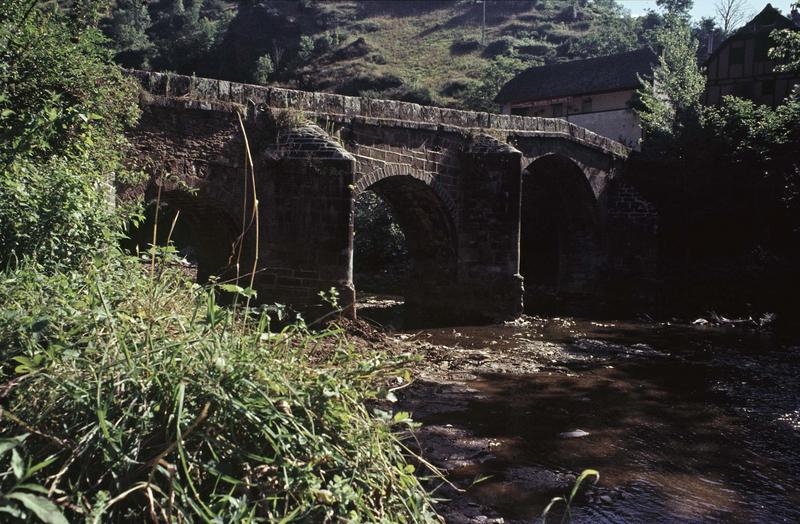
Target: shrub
pixel 263 69
pixel 457 88
pixel 464 46
pixel 362 83
pixel 137 397
pixel 306 48
pixel 379 243
pixel 503 46
pixel 418 95
pixel 63 107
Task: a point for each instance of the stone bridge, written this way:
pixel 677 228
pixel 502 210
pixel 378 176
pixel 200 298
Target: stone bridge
pixel 498 211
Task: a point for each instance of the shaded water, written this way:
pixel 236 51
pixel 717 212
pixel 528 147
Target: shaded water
pixel 685 423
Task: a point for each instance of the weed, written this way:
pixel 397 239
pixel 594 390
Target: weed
pixel 568 500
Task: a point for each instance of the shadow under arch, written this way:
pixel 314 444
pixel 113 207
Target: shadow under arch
pixel 429 229
pixel 204 232
pixel 561 237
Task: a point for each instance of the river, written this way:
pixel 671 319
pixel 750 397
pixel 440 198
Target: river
pixel 686 423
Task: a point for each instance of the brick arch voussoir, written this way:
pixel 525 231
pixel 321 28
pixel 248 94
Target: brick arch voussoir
pixel 395 170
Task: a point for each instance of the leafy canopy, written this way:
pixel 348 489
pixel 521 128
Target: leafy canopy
pixel 671 98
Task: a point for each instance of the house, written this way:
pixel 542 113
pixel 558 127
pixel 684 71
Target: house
pixel 595 93
pixel 741 67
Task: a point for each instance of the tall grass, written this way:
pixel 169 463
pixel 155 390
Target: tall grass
pixel 131 398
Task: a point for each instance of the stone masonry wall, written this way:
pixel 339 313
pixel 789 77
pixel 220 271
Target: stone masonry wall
pixel 632 228
pixel 455 180
pixel 366 110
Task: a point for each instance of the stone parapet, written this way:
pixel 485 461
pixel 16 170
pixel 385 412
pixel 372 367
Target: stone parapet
pixel 366 110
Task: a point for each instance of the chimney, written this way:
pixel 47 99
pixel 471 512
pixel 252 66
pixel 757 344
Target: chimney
pixel 795 16
pixel 710 43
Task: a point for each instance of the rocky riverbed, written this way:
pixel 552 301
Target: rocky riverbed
pixel 686 423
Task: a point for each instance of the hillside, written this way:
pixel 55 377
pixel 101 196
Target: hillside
pixel 423 51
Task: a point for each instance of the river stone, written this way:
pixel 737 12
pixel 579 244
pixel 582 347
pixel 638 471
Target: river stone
pixel 578 433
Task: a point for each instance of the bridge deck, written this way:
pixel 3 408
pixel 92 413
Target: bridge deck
pixel 393 112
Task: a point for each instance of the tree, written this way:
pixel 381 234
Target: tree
pixel 708 35
pixel 676 7
pixel 264 68
pixel 671 99
pixel 63 108
pixel 731 14
pixel 500 70
pixel 127 28
pixel 787 47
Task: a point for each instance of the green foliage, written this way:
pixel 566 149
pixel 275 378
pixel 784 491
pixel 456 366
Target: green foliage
pixel 615 34
pixel 671 99
pixel 63 107
pixel 679 8
pixel 379 243
pixel 500 70
pixel 736 197
pixel 264 68
pixel 568 499
pixel 787 47
pixel 761 142
pixel 22 496
pixel 225 39
pixel 306 48
pixel 129 397
pixel 127 28
pixel 186 34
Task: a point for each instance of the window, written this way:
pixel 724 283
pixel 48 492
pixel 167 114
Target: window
pixel 737 56
pixel 521 111
pixel 586 105
pixel 768 87
pixel 558 110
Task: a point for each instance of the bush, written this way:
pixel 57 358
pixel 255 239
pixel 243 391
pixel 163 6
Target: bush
pixel 63 107
pixel 362 83
pixel 263 69
pixel 503 46
pixel 457 88
pixel 305 49
pixel 463 47
pixel 128 396
pixel 418 95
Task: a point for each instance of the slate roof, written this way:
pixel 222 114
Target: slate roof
pixel 579 77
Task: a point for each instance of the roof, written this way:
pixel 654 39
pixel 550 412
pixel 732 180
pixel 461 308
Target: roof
pixel 764 22
pixel 767 20
pixel 580 77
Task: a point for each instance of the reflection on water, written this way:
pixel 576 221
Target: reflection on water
pixel 685 423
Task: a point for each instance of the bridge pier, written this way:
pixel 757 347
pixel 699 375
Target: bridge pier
pixel 488 230
pixel 306 199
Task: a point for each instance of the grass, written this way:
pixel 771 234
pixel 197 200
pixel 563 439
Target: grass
pixel 417 45
pixel 127 396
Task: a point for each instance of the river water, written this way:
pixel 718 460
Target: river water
pixel 685 423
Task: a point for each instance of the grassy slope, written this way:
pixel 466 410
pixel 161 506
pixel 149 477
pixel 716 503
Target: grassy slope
pixel 416 42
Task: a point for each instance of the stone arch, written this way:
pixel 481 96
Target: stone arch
pixel 405 170
pixel 561 234
pixel 430 231
pixel 205 231
pixel 598 166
